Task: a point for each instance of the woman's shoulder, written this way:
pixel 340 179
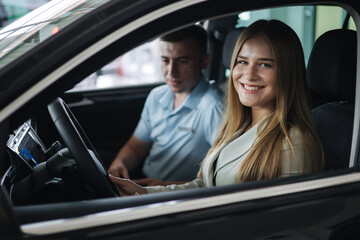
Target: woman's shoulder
pixel 296 138
pixel 295 132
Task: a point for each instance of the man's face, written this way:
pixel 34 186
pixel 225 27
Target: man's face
pixel 181 65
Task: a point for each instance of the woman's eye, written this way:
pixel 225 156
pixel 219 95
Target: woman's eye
pixel 266 65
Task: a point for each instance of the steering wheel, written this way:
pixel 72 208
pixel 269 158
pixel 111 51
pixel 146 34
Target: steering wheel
pixel 90 166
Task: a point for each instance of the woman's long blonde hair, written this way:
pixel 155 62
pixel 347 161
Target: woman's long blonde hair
pixel 290 110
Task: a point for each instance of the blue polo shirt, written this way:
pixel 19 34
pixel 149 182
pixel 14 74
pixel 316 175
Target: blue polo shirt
pixel 180 137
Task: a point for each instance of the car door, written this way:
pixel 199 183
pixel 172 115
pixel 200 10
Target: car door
pixel 314 206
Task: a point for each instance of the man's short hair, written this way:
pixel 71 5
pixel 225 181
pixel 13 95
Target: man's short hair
pixel 195 32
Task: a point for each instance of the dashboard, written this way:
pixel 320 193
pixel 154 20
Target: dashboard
pixel 27 146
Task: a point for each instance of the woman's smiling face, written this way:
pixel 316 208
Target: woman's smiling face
pixel 254 75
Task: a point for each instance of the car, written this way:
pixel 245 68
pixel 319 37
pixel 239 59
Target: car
pixel 57 141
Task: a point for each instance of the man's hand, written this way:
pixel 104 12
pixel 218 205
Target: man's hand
pixel 118 169
pixel 127 187
pixel 130 156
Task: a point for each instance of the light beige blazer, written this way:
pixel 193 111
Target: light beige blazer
pixel 290 165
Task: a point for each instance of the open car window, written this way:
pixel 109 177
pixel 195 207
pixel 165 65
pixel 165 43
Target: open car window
pixel 141 65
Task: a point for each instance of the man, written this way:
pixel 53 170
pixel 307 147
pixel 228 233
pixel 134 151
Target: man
pixel 180 120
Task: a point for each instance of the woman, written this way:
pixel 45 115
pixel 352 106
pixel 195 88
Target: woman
pixel 267 130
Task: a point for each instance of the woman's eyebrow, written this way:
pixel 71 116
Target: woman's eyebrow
pixel 262 59
pixel 267 59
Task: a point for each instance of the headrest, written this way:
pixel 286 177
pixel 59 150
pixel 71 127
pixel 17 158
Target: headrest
pixel 229 45
pixel 331 70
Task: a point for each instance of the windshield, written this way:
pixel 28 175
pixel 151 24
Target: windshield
pixel 40 24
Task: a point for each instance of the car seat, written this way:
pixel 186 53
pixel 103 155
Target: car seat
pixel 228 48
pixel 229 45
pixel 331 78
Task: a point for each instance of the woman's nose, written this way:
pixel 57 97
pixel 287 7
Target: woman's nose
pixel 250 72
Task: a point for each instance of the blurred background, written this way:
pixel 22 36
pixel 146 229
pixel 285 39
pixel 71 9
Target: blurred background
pixel 141 66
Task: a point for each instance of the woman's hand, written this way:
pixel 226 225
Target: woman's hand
pixel 150 182
pixel 156 182
pixel 127 187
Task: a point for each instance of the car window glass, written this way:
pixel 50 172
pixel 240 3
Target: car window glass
pixel 139 66
pixel 45 21
pixel 11 10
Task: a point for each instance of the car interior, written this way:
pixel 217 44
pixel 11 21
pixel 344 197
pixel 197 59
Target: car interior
pixel 332 93
pixel 40 172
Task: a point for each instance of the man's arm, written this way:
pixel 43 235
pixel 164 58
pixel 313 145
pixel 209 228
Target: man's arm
pixel 129 157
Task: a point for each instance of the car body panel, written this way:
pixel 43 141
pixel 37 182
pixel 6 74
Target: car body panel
pixel 125 215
